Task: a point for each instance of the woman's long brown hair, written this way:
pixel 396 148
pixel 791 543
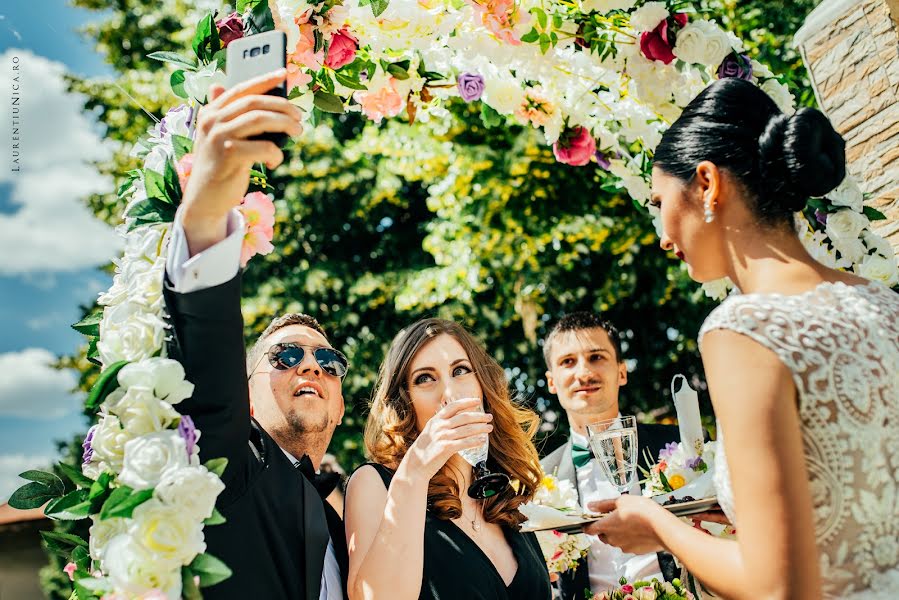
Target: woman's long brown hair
pixel 391 427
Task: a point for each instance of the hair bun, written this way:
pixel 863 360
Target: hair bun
pixel 801 156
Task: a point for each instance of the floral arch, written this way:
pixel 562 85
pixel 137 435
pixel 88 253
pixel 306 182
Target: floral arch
pixel 601 79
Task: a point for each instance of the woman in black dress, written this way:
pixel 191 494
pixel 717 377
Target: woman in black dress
pixel 412 529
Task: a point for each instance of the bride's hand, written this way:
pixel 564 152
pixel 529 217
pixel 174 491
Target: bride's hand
pixel 628 524
pixel 455 427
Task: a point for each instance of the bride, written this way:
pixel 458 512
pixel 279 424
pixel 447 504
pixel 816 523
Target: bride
pixel 802 367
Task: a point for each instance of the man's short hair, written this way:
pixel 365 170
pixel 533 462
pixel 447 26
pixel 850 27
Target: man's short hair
pixel 260 347
pixel 578 321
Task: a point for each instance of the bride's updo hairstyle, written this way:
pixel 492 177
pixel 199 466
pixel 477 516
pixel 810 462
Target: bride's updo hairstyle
pixel 781 160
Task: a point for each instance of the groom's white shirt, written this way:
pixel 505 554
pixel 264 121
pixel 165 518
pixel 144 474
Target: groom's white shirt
pixel 209 268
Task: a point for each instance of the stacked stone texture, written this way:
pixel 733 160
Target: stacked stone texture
pixel 854 64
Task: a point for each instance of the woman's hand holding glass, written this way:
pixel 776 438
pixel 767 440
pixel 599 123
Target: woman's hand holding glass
pixel 455 427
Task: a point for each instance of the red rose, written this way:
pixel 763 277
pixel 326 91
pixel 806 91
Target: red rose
pixel 657 44
pixel 342 50
pixel 230 28
pixel 575 147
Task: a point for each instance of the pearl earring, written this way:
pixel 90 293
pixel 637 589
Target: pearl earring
pixel 709 214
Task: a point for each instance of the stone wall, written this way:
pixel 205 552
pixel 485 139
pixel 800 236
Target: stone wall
pixel 851 48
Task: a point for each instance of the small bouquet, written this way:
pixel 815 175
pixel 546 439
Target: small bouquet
pixel 554 502
pixel 677 467
pixel 646 590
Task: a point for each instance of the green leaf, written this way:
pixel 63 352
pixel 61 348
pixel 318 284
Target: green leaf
pixel 397 71
pixel 90 325
pixel 221 57
pixel 93 354
pixel 490 117
pixel 667 486
pixel 216 518
pixel 101 486
pixel 210 570
pixel 531 36
pixel 541 17
pixel 71 507
pixel 873 214
pixel 258 19
pixel 62 543
pixel 75 475
pixel 51 480
pixel 172 185
pixel 328 102
pixel 176 80
pixel 216 465
pixel 348 81
pixel 154 182
pixel 183 145
pixel 175 59
pixel 150 211
pixel 82 558
pixel 31 495
pixel 122 502
pixel 544 43
pixel 206 40
pixel 105 385
pixel 378 6
pixel 189 589
pixel 557 21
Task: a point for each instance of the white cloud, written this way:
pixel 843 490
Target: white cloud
pixel 51 230
pixel 13 464
pixel 32 388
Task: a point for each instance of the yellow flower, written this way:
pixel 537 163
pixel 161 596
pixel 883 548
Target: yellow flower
pixel 549 482
pixel 676 481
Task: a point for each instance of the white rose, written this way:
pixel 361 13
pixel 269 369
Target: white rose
pixel 147 458
pixel 718 289
pixel 164 376
pixel 109 442
pixel 177 121
pixel 648 16
pixel 878 268
pixel 504 95
pixel 156 159
pixel 196 84
pixel 702 42
pixel 101 532
pixel 191 489
pixel 140 412
pixel 129 332
pixel 781 95
pixel 168 533
pixel 138 281
pixel 848 194
pixel 606 6
pixel 851 249
pixel 845 225
pixel 878 244
pixel 134 570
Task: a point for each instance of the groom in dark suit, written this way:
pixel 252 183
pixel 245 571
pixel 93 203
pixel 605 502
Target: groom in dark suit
pixel 272 414
pixel 585 369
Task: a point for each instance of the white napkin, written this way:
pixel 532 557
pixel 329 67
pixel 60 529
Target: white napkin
pixel 540 517
pixel 686 403
pixel 700 488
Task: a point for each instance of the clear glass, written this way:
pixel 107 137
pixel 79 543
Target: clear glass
pixel 477 455
pixel 485 484
pixel 614 445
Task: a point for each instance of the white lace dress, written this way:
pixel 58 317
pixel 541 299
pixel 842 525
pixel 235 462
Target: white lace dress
pixel 841 343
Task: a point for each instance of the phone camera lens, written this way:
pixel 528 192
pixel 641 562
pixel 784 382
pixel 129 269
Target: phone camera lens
pixel 254 51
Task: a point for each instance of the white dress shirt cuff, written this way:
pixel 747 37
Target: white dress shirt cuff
pixel 211 267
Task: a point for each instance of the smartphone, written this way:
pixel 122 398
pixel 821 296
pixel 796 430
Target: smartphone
pixel 256 55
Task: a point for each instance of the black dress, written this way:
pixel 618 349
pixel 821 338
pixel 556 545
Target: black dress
pixel 455 567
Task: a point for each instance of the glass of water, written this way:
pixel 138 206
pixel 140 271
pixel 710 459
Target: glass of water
pixel 485 483
pixel 614 445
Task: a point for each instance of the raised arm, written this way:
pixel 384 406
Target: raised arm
pixel 385 527
pixel 208 327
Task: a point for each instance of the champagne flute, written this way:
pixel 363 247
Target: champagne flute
pixel 614 444
pixel 485 483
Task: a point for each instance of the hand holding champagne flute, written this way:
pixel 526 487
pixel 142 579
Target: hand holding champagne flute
pixel 614 444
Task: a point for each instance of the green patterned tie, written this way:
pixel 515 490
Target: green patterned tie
pixel 581 455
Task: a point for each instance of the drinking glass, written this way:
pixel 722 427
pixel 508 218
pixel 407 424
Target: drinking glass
pixel 485 483
pixel 614 444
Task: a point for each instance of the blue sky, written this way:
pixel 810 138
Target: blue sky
pixel 51 245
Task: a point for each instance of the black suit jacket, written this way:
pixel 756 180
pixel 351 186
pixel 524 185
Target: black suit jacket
pixel 276 532
pixel 651 439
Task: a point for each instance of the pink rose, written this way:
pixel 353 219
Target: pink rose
pixel 304 53
pixel 627 588
pixel 69 570
pixel 342 50
pixel 385 102
pixel 575 147
pixel 230 28
pixel 657 44
pixel 259 214
pixel 184 166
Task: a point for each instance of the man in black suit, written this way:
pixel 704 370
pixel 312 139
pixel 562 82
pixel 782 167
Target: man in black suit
pixel 271 414
pixel 585 369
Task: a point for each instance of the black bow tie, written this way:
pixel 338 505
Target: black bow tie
pixel 324 482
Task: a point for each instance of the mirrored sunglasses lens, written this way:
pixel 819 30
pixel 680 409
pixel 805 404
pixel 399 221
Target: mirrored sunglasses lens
pixel 287 358
pixel 332 362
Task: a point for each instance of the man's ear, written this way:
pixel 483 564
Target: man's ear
pixel 622 373
pixel 550 383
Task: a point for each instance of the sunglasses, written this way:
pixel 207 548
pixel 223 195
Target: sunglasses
pixel 288 355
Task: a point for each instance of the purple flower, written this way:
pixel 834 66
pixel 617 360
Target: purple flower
pixel 736 65
pixel 173 115
pixel 471 86
pixel 188 431
pixel 88 448
pixel 669 449
pixel 821 217
pixel 602 160
pixel 695 463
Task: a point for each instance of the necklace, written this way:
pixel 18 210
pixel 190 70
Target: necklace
pixel 476 521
